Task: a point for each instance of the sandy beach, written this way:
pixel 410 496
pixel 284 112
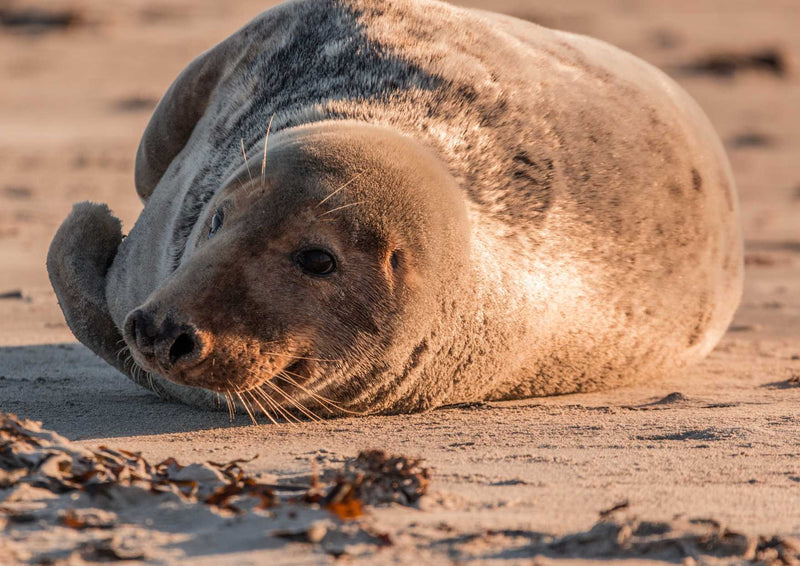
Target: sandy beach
pixel 510 483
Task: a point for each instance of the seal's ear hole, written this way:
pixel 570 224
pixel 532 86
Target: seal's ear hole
pixel 396 259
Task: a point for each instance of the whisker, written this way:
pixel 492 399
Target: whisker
pixel 247 408
pixel 307 412
pixel 284 414
pixel 244 154
pixel 325 403
pixel 341 207
pixel 288 373
pixel 328 403
pixel 275 406
pixel 303 408
pixel 229 403
pixel 331 409
pixel 296 357
pixel 266 142
pixel 263 410
pixel 121 350
pixel 320 203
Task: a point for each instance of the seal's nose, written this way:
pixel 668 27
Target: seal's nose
pixel 171 345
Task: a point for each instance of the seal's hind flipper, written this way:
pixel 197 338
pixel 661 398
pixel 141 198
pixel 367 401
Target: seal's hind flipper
pixel 77 262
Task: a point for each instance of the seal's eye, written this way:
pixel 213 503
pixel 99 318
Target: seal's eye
pixel 216 222
pixel 315 261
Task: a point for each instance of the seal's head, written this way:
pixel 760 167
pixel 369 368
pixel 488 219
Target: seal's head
pixel 317 279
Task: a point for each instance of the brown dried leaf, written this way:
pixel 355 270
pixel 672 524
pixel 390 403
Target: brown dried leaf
pixel 221 496
pixel 170 466
pixel 88 519
pixel 346 510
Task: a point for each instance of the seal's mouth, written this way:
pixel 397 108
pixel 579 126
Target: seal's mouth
pixel 226 374
pixel 280 394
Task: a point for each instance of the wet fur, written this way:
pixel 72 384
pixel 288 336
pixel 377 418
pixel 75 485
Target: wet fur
pixel 603 240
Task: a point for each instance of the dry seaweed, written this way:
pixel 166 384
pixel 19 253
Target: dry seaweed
pixel 48 482
pixel 377 478
pixel 728 64
pixel 43 459
pixel 36 21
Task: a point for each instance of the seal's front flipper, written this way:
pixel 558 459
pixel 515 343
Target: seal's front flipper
pixel 79 257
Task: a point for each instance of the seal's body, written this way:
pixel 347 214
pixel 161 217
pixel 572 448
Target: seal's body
pixel 452 206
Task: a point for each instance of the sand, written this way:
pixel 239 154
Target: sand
pixel 509 481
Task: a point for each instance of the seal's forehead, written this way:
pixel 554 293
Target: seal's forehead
pixel 287 186
pixel 376 184
pixel 336 150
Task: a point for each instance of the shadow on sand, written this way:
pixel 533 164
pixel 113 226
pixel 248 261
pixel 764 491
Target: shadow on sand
pixel 76 393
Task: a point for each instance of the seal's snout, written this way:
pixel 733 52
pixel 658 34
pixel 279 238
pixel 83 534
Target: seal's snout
pixel 169 345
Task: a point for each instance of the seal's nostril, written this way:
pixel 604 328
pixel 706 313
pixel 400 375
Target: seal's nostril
pixel 182 347
pixel 140 330
pixel 132 328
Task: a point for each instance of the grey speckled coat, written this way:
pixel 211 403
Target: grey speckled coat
pixel 604 241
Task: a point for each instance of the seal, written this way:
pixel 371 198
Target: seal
pixel 381 207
